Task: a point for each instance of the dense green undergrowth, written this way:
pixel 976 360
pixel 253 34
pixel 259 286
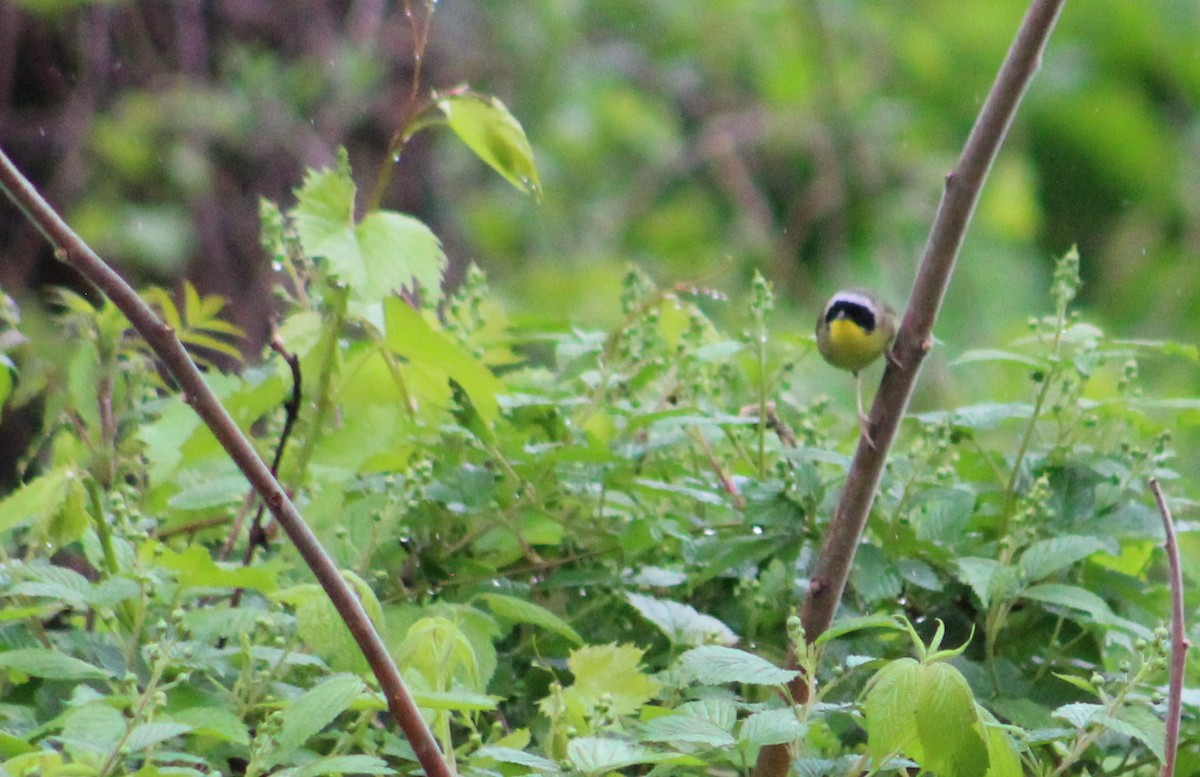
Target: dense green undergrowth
pixel 583 548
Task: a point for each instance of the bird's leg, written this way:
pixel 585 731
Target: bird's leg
pixel 890 353
pixel 863 421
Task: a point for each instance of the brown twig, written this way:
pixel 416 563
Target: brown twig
pixel 166 345
pixel 832 566
pixel 1179 643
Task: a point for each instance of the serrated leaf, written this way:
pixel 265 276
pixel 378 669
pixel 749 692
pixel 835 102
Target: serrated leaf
pixel 1044 558
pixel 947 723
pixel 682 624
pixel 385 253
pixel 890 708
pixel 608 673
pixel 717 665
pixel 594 755
pixel 305 716
pixel 978 574
pixel 1079 714
pixel 687 728
pixel 772 727
pixel 519 757
pixel 43 662
pixel 485 125
pixel 53 582
pixel 37 501
pixel 195 568
pixel 1141 724
pixel 521 611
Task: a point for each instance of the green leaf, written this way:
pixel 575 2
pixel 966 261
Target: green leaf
pixel 717 665
pixel 684 726
pixel 1003 758
pixel 942 515
pixel 344 764
pixel 985 415
pixel 385 253
pixel 458 700
pixel 1141 724
pixel 1078 682
pixel 978 574
pixel 1071 597
pixel 430 351
pixel 488 129
pixel 210 493
pixel 874 577
pixel 217 722
pixel 521 611
pixel 890 708
pixel 396 251
pixel 772 727
pixel 519 757
pixel 1079 714
pixel 1044 558
pixel 306 715
pixel 37 501
pixel 850 625
pixel 946 723
pixel 323 629
pixel 977 355
pixel 195 568
pixel 50 664
pixel 608 673
pixel 594 755
pixel 147 735
pixel 682 624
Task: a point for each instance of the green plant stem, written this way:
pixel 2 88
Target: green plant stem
pixel 914 340
pixel 69 247
pixel 323 398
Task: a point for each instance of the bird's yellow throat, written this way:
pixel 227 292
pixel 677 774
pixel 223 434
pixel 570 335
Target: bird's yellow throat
pixel 852 346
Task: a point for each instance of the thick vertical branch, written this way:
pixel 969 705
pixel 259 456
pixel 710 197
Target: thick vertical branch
pixel 914 340
pixel 166 345
pixel 1179 643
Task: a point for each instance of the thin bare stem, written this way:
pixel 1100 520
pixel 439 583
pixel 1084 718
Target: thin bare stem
pixel 166 345
pixel 914 339
pixel 1179 643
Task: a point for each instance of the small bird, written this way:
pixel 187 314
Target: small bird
pixel 856 328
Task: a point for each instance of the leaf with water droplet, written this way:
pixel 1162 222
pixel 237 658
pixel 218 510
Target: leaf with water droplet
pixel 496 137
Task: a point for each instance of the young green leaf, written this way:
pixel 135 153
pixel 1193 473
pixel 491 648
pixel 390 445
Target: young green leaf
pixel 383 254
pixel 496 137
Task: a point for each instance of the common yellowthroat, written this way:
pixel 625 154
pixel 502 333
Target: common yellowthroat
pixel 855 328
